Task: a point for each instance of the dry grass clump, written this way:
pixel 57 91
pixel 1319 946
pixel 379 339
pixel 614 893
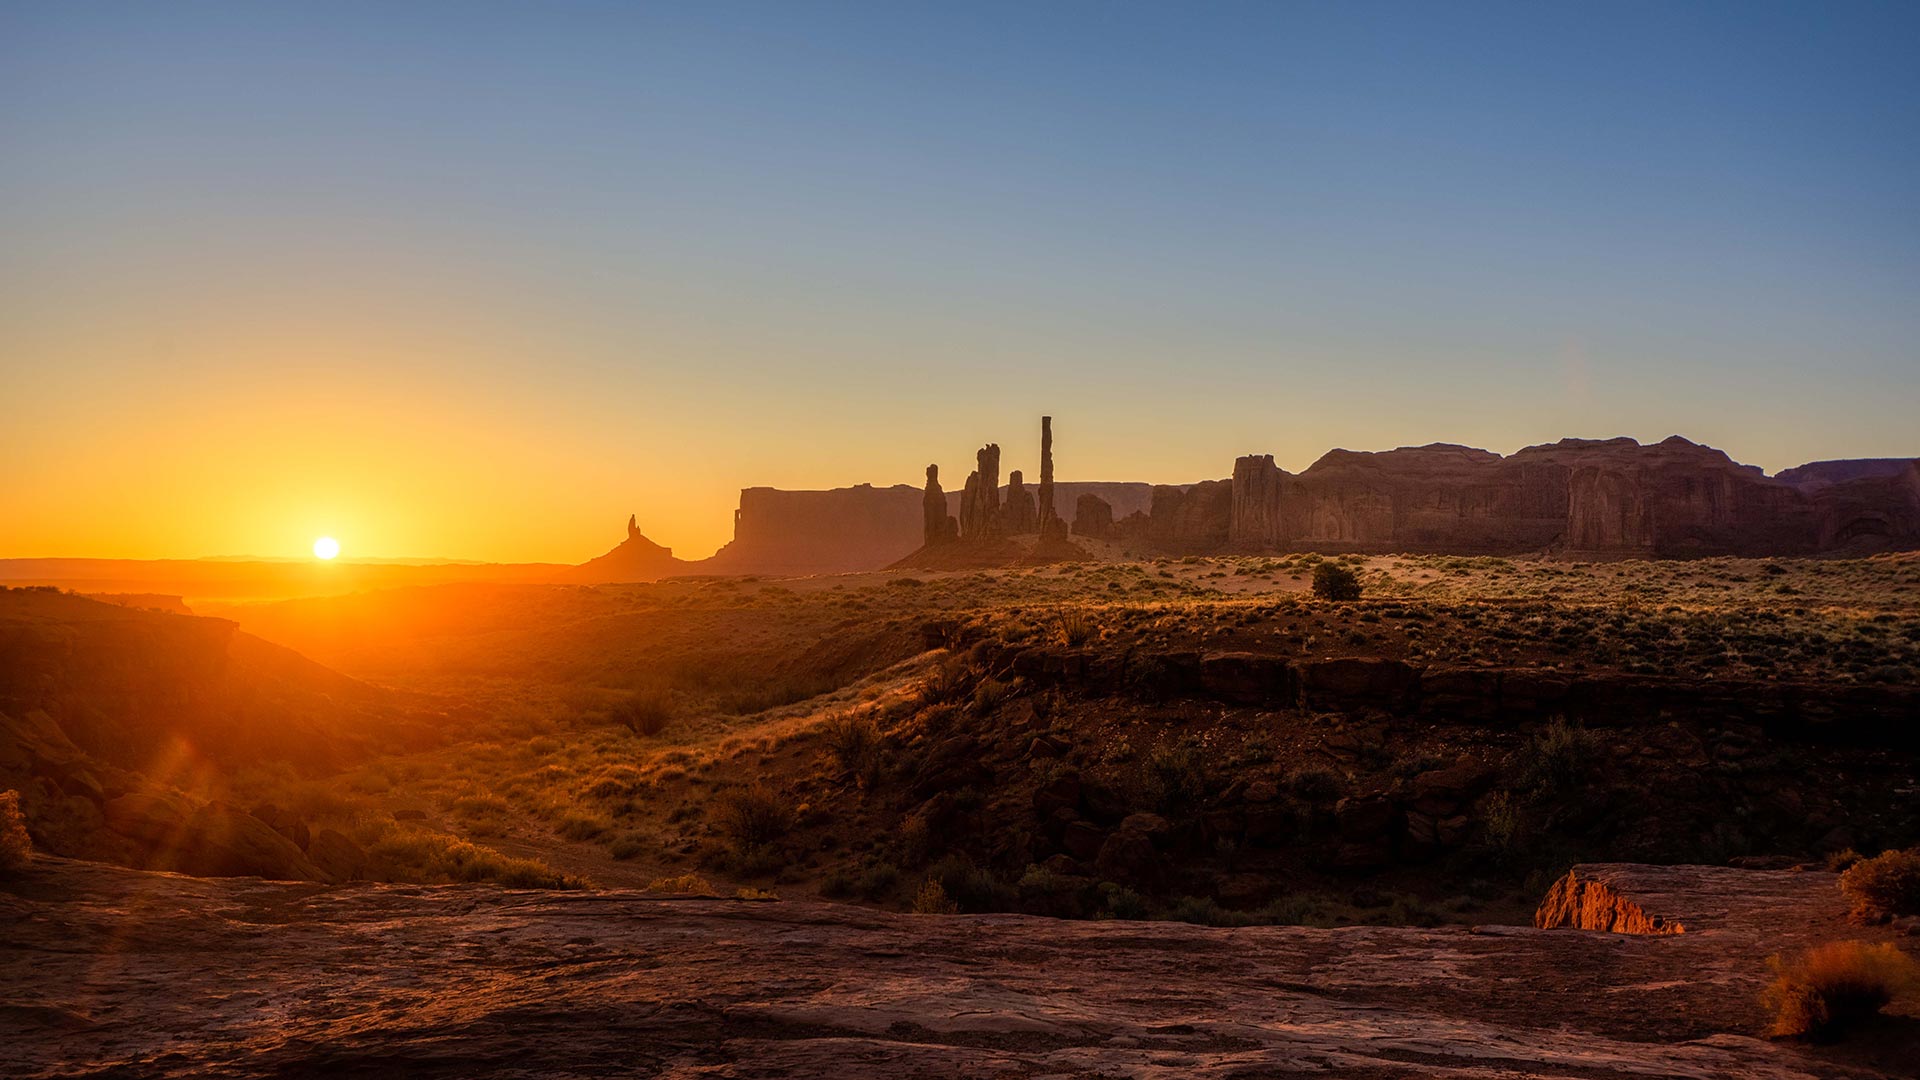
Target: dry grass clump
pixel 1827 989
pixel 16 847
pixel 436 857
pixel 647 711
pixel 1887 884
pixel 684 885
pixel 1075 629
pixel 752 817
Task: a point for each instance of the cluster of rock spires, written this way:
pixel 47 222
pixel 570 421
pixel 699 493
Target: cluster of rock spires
pixel 984 518
pixel 1605 498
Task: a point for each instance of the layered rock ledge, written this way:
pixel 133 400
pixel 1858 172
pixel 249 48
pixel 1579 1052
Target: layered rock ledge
pixel 106 971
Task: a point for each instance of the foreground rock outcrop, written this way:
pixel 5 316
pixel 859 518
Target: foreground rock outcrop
pixel 110 971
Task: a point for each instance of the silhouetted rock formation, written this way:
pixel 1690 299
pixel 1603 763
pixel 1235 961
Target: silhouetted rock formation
pixel 821 532
pixel 1254 519
pixel 1018 516
pixel 1051 527
pixel 980 502
pixel 938 527
pixel 1821 473
pixel 1193 518
pixel 1092 517
pixel 635 559
pixel 1603 497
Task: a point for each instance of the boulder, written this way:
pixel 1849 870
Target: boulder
pixel 225 842
pixel 152 818
pixel 284 822
pixel 337 856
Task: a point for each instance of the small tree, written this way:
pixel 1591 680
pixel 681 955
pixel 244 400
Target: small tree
pixel 1331 581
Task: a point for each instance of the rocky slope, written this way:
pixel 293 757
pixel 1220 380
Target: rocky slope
pixel 115 972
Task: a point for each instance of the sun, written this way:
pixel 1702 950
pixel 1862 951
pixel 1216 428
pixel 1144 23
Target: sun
pixel 326 548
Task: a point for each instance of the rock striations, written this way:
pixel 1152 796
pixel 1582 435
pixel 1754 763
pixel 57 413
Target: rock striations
pixel 294 981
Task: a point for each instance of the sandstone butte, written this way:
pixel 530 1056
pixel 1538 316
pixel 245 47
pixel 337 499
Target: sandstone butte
pixel 113 972
pixel 1582 498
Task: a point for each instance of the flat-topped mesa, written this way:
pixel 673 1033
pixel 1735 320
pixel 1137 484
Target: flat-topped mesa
pixel 1604 497
pixel 1017 515
pixel 938 527
pixel 1092 517
pixel 980 502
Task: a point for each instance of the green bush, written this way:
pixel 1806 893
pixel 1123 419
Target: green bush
pixel 1887 884
pixel 1331 581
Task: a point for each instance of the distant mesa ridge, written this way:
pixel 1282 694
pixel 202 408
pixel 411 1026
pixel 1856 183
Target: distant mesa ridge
pixel 1598 498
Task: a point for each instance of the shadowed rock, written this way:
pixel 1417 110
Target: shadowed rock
pixel 153 975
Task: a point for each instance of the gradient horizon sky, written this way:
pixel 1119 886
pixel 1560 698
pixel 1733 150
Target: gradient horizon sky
pixel 479 280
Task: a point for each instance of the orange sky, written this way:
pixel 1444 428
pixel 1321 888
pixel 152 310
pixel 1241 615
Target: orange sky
pixel 480 286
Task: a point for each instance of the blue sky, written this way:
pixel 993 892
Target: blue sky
pixel 666 251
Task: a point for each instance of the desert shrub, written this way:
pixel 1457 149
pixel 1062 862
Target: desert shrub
pixel 837 884
pixel 615 782
pixel 627 846
pixel 1122 902
pixel 853 741
pixel 1331 581
pixel 946 684
pixel 1173 778
pixel 685 885
pixel 1297 909
pixel 748 892
pixel 876 881
pixel 1827 989
pixel 16 847
pixel 752 816
pixel 646 711
pixel 1560 757
pixel 989 694
pixel 1887 884
pixel 434 857
pixel 1839 862
pixel 1503 823
pixel 932 899
pixel 1315 783
pixel 581 825
pixel 972 888
pixel 1074 629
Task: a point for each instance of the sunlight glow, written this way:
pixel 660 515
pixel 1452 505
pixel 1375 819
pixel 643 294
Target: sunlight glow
pixel 326 548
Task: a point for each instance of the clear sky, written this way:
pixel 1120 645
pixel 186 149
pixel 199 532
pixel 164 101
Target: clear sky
pixel 480 279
